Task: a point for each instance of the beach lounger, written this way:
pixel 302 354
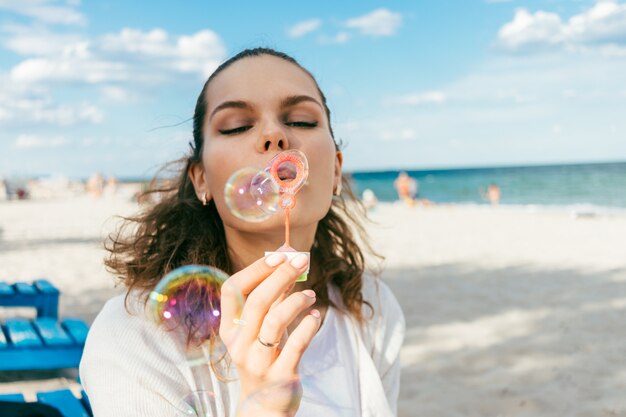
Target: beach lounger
pixel 42 343
pixel 63 400
pixel 40 295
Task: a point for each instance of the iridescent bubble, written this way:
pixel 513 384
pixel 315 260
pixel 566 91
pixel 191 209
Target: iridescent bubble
pixel 277 399
pixel 290 170
pixel 197 404
pixel 187 300
pixel 251 195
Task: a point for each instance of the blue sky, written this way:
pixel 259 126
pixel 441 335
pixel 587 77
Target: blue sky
pixel 93 86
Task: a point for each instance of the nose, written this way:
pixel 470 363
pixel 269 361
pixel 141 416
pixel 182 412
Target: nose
pixel 272 139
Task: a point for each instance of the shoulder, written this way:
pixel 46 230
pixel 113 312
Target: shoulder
pixel 121 319
pixel 129 359
pixel 123 337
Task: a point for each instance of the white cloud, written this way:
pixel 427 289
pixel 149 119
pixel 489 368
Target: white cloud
pixel 201 53
pixel 26 107
pixel 134 41
pixel 429 97
pixel 526 28
pixel 605 21
pixel 36 40
pixel 602 24
pixel 123 56
pixel 302 28
pixel 380 22
pixel 46 11
pixel 70 67
pixel 26 142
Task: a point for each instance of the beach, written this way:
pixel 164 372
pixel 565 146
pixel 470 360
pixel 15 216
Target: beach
pixel 510 310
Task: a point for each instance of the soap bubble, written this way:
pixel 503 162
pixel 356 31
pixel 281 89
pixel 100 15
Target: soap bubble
pixel 279 398
pixel 251 194
pixel 187 301
pixel 197 404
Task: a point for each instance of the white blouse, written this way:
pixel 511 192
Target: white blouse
pixel 131 367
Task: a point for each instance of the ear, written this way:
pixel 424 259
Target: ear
pixel 198 178
pixel 338 165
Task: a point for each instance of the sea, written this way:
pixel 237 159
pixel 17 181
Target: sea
pixel 589 186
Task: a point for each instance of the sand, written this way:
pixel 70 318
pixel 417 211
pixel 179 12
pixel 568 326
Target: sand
pixel 510 311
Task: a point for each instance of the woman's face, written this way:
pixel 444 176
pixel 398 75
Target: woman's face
pixel 258 107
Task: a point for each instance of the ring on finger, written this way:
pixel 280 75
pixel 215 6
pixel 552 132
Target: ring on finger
pixel 265 343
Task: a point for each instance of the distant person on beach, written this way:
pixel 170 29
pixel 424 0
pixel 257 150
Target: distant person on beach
pixel 369 199
pixel 407 188
pixel 492 195
pixel 95 185
pixel 254 106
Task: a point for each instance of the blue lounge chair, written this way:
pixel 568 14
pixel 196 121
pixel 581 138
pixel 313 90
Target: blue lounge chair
pixel 42 343
pixel 39 294
pixel 63 400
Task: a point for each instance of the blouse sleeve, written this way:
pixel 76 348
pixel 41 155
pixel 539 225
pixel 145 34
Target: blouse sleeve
pixel 129 366
pixel 384 335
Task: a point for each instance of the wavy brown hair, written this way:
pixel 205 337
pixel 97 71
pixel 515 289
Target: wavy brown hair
pixel 178 229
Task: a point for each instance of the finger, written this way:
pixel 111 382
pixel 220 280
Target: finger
pixel 298 341
pixel 271 289
pixel 284 295
pixel 278 318
pixel 251 276
pixel 242 283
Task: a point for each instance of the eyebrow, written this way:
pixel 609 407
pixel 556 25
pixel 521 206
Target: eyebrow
pixel 293 100
pixel 289 101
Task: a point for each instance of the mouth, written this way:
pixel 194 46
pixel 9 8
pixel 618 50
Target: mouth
pixel 290 170
pixel 287 171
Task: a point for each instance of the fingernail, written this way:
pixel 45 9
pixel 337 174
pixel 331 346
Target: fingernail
pixel 274 259
pixel 309 293
pixel 300 261
pixel 316 314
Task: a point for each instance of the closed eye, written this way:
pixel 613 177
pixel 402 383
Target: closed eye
pixel 306 125
pixel 236 130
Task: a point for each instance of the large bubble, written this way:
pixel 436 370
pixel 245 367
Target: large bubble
pixel 197 404
pixel 280 399
pixel 251 195
pixel 187 300
pixel 187 303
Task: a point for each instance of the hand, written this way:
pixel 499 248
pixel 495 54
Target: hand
pixel 258 345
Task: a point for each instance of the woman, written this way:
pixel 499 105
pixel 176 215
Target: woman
pixel 344 327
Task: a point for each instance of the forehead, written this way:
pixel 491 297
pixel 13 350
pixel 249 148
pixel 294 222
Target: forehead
pixel 260 79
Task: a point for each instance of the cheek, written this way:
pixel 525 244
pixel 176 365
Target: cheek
pixel 318 193
pixel 322 164
pixel 219 167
